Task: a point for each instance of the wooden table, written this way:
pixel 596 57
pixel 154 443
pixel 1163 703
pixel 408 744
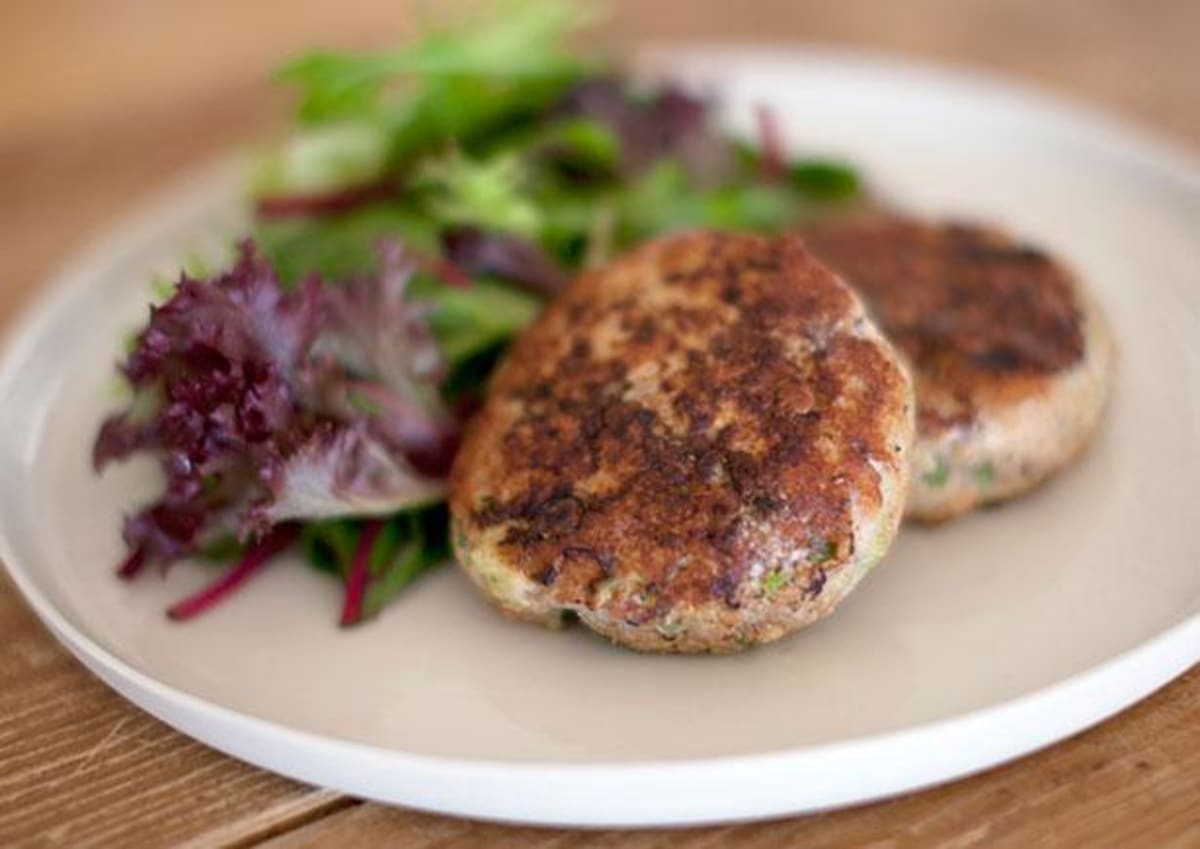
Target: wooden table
pixel 102 101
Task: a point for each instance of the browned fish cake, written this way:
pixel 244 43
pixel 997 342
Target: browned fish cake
pixel 700 447
pixel 1012 361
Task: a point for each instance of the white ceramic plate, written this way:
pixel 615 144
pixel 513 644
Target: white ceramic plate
pixel 970 645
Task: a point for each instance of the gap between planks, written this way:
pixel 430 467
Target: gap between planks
pixel 279 819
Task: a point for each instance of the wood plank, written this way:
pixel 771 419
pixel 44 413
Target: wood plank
pixel 82 768
pixel 1132 783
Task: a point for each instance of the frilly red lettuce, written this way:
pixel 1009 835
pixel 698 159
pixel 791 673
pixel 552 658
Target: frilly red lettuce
pixel 266 405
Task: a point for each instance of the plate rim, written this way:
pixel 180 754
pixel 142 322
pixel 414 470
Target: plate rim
pixel 688 791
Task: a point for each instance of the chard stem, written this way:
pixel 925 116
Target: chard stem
pixel 770 140
pixel 449 273
pixel 323 203
pixel 133 564
pixel 253 560
pixel 356 581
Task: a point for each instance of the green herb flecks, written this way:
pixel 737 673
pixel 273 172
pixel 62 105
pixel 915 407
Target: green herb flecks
pixel 671 630
pixel 822 552
pixel 939 475
pixel 984 475
pixel 774 582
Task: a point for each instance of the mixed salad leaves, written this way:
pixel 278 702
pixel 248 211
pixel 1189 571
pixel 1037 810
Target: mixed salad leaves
pixel 429 200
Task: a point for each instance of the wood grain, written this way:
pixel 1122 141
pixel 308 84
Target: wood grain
pixel 104 101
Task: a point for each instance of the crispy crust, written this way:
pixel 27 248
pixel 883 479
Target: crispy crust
pixel 702 447
pixel 1010 357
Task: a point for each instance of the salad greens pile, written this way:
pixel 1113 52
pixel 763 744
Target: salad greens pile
pixel 429 200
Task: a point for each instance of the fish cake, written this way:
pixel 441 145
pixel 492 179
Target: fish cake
pixel 1011 358
pixel 701 447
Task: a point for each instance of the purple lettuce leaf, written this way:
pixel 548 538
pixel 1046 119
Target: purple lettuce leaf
pixel 265 405
pixel 343 472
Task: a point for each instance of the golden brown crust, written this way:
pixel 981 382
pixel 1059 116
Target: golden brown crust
pixel 983 319
pixel 708 409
